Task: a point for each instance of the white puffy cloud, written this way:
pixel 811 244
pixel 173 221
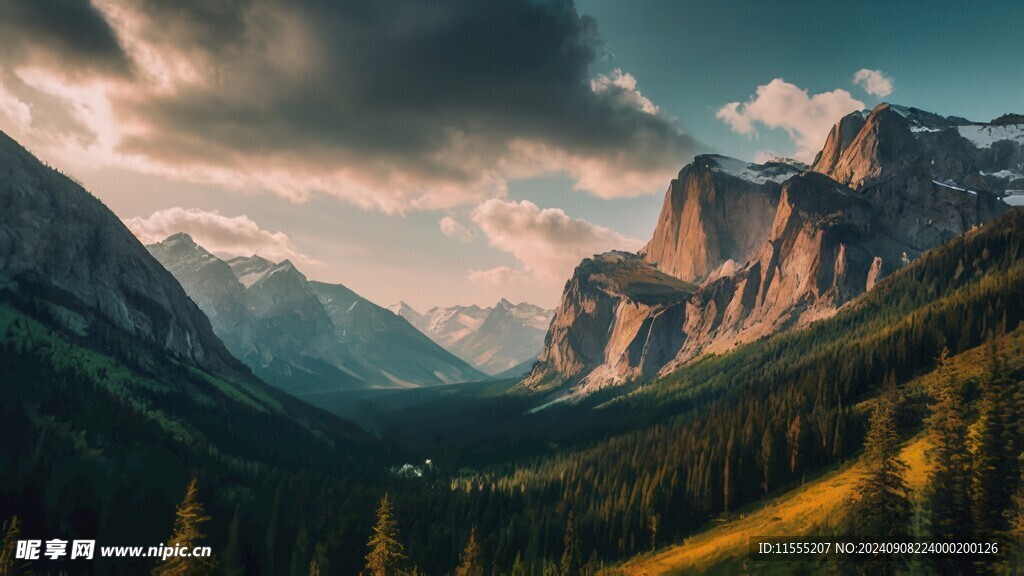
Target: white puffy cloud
pixel 454 229
pixel 806 118
pixel 14 110
pixel 874 82
pixel 622 85
pixel 499 276
pixel 547 242
pixel 222 235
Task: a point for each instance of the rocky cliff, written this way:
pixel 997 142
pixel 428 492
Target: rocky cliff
pixel 718 211
pixel 778 245
pixel 61 245
pixel 620 318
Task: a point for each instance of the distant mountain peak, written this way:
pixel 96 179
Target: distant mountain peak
pixel 304 335
pixel 180 237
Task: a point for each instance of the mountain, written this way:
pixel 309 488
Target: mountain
pixel 614 323
pixel 493 340
pixel 778 245
pixel 119 392
pixel 716 214
pixel 305 337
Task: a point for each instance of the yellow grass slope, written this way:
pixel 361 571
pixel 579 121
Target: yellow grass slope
pixel 806 510
pixel 818 505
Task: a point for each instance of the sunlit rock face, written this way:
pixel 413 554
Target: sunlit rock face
pixel 761 248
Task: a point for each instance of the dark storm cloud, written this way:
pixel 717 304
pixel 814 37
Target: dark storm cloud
pixel 416 96
pixel 69 34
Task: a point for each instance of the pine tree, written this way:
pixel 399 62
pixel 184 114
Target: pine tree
pixel 572 556
pixel 1014 535
pixel 386 550
pixel 883 511
pixel 947 500
pixel 471 563
pixel 8 548
pixel 189 518
pixel 232 557
pixel 518 567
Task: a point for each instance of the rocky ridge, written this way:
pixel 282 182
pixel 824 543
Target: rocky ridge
pixel 778 245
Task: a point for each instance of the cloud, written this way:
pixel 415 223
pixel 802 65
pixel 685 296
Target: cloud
pixel 547 242
pixel 454 229
pixel 502 276
pixel 391 107
pixel 222 235
pixel 806 119
pixel 69 35
pixel 874 82
pixel 13 110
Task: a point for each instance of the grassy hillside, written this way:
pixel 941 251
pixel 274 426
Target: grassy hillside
pixel 819 507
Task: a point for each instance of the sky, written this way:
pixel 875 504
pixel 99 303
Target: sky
pixel 456 151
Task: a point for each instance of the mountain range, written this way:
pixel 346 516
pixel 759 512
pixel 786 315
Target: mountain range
pixel 306 337
pixel 503 339
pixel 744 250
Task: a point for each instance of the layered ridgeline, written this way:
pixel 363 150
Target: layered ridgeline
pixel 778 245
pixel 304 336
pixel 116 391
pixel 503 340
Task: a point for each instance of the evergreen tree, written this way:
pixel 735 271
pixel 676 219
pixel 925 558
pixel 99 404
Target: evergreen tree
pixel 8 548
pixel 471 563
pixel 518 567
pixel 189 518
pixel 947 500
pixel 386 550
pixel 300 552
pixel 1014 535
pixel 572 555
pixel 232 556
pixel 883 510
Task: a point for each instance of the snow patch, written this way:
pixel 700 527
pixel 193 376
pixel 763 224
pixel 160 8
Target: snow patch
pixel 985 136
pixel 758 174
pixel 950 184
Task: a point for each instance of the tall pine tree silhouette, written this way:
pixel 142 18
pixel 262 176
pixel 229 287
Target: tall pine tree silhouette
pixel 883 511
pixel 187 534
pixel 471 563
pixel 386 550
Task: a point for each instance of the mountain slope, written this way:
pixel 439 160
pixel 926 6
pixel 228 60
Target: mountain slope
pixel 492 339
pixel 777 246
pixel 91 274
pixel 822 505
pixel 305 337
pixel 389 342
pixel 118 392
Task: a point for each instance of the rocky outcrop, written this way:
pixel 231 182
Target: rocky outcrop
pixel 775 247
pixel 718 210
pixel 60 244
pixel 620 318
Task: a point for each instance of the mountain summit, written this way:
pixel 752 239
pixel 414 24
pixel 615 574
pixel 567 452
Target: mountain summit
pixel 493 339
pixel 778 245
pixel 305 337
